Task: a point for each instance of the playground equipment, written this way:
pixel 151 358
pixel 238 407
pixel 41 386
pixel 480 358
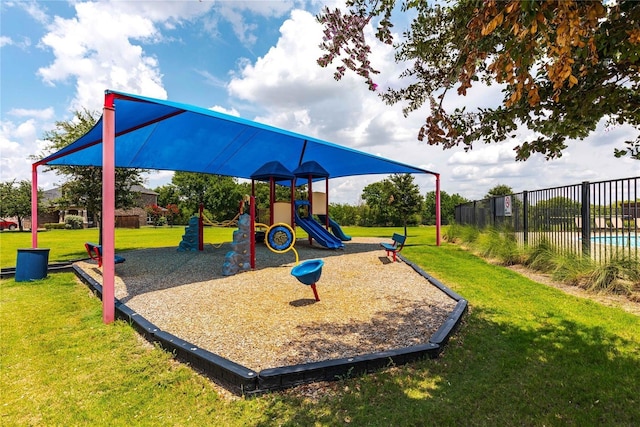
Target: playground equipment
pixel 315 230
pixel 308 273
pixel 335 227
pixel 227 223
pixel 275 173
pixel 279 238
pixel 320 210
pixel 192 236
pixel 239 258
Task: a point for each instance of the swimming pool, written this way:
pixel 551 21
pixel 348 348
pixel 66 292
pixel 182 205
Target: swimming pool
pixel 622 240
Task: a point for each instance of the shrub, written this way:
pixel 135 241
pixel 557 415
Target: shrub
pixel 74 222
pixel 54 226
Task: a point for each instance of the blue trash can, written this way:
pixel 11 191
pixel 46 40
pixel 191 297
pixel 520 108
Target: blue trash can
pixel 32 264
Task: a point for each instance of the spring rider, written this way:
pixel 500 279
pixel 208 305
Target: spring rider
pixel 308 273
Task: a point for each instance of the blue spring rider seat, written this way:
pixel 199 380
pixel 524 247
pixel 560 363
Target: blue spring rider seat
pixel 308 273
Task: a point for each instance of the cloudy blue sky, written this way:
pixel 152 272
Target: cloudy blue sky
pixel 254 59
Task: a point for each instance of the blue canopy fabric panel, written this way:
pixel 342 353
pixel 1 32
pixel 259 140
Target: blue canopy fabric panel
pixel 312 169
pixel 164 135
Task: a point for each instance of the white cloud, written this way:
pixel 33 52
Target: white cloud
pixel 23 43
pixel 154 179
pixel 18 142
pixel 210 79
pixel 5 41
pixel 240 13
pixel 220 109
pixel 34 9
pixel 295 93
pixel 287 79
pixel 44 114
pixel 99 56
pixel 485 155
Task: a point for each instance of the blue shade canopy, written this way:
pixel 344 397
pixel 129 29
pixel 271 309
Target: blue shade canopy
pixel 164 135
pixel 273 170
pixel 311 169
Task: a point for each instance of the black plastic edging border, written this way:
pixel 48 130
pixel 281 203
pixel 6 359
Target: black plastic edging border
pixel 450 325
pixel 330 370
pixel 435 282
pixel 242 380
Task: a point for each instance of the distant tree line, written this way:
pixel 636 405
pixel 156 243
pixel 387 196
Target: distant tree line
pixel 394 202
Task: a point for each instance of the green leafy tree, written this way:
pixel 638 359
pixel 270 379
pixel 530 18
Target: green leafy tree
pixel 378 197
pixel 15 200
pixel 345 214
pixel 83 184
pixel 393 201
pixel 407 200
pixel 499 190
pixel 167 194
pixel 221 195
pixel 448 205
pixel 563 66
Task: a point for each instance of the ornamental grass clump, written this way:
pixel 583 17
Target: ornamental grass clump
pixel 500 245
pixel 541 256
pixel 572 269
pixel 619 275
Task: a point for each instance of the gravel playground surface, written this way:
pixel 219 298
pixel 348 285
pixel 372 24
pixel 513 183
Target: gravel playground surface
pixel 266 318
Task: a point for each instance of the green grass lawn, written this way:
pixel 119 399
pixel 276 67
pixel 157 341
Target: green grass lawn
pixel 526 354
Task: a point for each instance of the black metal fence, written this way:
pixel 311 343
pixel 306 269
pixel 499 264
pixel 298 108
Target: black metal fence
pixel 597 219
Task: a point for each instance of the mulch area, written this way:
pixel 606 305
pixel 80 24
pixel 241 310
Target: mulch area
pixel 266 318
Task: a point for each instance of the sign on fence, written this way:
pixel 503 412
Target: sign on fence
pixel 507 205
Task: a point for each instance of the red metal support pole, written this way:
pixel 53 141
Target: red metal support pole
pixel 34 206
pixel 108 208
pixel 310 197
pixel 437 209
pixel 326 200
pixel 293 203
pixel 201 228
pixel 272 199
pixel 252 237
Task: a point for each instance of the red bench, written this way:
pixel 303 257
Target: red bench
pixel 95 253
pixel 396 246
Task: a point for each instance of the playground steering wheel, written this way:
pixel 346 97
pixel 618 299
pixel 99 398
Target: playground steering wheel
pixel 280 238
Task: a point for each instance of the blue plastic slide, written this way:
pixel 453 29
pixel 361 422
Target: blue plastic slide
pixel 335 228
pixel 319 233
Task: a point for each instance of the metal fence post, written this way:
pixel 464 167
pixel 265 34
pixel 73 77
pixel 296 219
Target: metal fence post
pixel 475 221
pixel 525 218
pixel 493 211
pixel 586 218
